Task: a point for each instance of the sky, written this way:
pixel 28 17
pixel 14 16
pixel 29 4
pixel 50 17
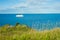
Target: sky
pixel 29 6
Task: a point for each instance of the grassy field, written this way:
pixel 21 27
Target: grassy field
pixel 23 32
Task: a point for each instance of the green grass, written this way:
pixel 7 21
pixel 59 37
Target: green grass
pixel 23 32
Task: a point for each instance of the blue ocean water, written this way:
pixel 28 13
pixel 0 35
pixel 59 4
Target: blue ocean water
pixel 37 21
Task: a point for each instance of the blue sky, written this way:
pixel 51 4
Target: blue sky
pixel 29 6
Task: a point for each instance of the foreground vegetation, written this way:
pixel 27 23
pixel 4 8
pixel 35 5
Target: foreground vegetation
pixel 23 32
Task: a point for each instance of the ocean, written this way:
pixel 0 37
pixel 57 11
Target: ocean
pixel 36 21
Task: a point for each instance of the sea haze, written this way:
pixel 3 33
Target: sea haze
pixel 36 21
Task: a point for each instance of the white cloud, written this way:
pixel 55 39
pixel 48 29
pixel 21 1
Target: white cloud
pixel 36 6
pixel 19 5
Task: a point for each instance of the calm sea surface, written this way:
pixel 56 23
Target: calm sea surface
pixel 37 21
